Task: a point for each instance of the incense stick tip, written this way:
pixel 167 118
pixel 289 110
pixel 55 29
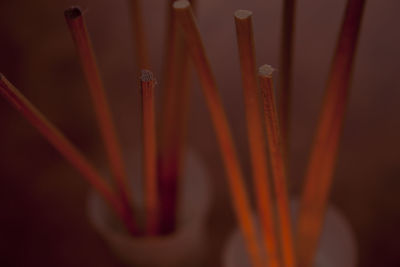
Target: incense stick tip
pixel 181 4
pixel 243 14
pixel 266 70
pixel 73 12
pixel 146 76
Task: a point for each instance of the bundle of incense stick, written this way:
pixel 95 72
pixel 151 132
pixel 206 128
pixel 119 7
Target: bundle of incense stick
pixel 267 125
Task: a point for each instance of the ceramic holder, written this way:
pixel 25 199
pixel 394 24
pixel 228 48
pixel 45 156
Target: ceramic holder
pixel 337 246
pixel 184 247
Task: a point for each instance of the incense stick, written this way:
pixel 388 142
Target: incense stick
pixel 173 122
pixel 277 164
pixel 319 174
pixel 83 44
pixel 66 148
pixel 234 173
pixel 256 136
pixel 147 84
pixel 285 74
pixel 139 36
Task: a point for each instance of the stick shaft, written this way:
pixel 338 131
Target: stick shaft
pixel 173 121
pixel 234 174
pixel 256 136
pixel 319 174
pixel 139 36
pixel 285 74
pixel 147 84
pixel 83 45
pixel 277 165
pixel 65 147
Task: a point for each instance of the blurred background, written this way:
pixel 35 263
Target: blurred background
pixel 43 218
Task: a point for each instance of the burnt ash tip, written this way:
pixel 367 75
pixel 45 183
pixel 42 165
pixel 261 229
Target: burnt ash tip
pixel 73 12
pixel 266 70
pixel 146 76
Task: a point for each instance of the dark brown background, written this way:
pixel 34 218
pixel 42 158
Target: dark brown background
pixel 43 220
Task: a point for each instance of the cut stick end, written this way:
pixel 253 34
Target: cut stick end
pixel 243 14
pixel 147 83
pixel 181 4
pixel 72 13
pixel 266 71
pixel 146 76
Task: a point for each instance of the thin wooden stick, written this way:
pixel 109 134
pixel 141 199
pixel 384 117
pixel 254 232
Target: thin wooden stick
pixel 285 74
pixel 256 135
pixel 277 164
pixel 66 148
pixel 147 84
pixel 173 122
pixel 83 44
pixel 239 195
pixel 139 36
pixel 323 156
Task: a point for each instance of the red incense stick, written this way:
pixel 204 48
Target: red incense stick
pixel 318 179
pixel 66 148
pixel 173 121
pixel 277 164
pixel 256 136
pixel 83 45
pixel 239 195
pixel 147 84
pixel 139 35
pixel 285 73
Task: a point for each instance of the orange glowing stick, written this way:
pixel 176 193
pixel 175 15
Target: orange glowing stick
pixel 66 148
pixel 173 122
pixel 239 195
pixel 83 45
pixel 319 175
pixel 285 74
pixel 256 136
pixel 139 36
pixel 147 84
pixel 277 164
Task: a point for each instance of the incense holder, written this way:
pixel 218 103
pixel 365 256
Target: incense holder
pixel 337 246
pixel 184 247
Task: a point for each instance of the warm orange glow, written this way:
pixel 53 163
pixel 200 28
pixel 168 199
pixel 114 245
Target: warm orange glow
pixel 147 84
pixel 232 167
pixel 66 148
pixel 256 136
pixel 318 179
pixel 83 44
pixel 277 164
